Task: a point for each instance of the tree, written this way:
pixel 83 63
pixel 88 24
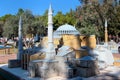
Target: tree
pixel 88 30
pixel 87 18
pixel 31 24
pixel 59 19
pixel 20 12
pixel 27 21
pixel 39 25
pixel 44 18
pixel 114 22
pixel 1 27
pixel 94 14
pixel 10 27
pixel 70 18
pixel 5 17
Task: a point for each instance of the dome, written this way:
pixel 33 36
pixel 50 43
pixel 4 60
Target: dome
pixel 67 29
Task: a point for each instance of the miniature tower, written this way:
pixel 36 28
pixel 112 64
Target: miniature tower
pixel 51 51
pixel 106 33
pixel 20 44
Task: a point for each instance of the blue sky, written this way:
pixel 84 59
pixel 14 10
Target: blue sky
pixel 37 7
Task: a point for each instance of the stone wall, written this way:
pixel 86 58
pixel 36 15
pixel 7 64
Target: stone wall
pixel 37 56
pixel 83 40
pixel 81 53
pixel 44 42
pixel 89 41
pixel 86 68
pixel 73 41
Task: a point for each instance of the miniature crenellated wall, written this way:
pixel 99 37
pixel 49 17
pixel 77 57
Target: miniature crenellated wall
pixel 75 42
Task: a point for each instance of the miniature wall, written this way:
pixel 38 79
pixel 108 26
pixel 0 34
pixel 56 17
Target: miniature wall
pixel 75 42
pixel 83 40
pixel 72 41
pixel 37 56
pixel 81 53
pixel 89 41
pixel 44 42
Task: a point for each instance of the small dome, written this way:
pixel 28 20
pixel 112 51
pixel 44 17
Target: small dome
pixel 66 29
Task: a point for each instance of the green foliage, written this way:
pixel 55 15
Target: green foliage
pixel 70 17
pixel 93 14
pixel 27 18
pixel 31 24
pixel 39 25
pixel 44 18
pixel 61 19
pixel 5 17
pixel 89 30
pixel 88 19
pixel 20 12
pixel 10 27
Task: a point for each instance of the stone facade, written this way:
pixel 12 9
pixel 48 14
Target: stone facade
pixel 65 66
pixel 66 61
pixel 74 41
pixel 86 67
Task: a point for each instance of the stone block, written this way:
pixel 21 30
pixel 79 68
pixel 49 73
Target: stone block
pixel 34 68
pixel 70 73
pixel 14 63
pixel 83 63
pixel 43 68
pixel 87 72
pixel 31 71
pixel 86 63
pixel 67 73
pixel 81 53
pixel 47 72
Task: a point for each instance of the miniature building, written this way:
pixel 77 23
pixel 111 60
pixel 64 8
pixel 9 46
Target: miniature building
pixel 64 54
pixel 67 35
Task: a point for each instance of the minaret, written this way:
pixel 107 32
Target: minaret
pixel 20 43
pixel 51 50
pixel 106 33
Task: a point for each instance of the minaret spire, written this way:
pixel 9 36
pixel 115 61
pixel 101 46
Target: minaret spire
pixel 50 9
pixel 50 13
pixel 20 44
pixel 105 22
pixel 51 51
pixel 106 32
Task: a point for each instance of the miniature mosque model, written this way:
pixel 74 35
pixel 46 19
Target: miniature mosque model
pixel 66 53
